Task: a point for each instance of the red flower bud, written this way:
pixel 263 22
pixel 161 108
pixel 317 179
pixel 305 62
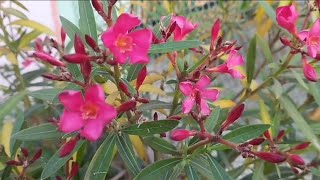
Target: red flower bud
pixel 25 152
pixel 295 170
pixel 68 147
pixel 256 141
pixel 14 163
pixel 295 160
pixel 301 146
pixel 48 58
pixel 270 157
pixel 232 117
pixel 76 58
pixel 74 170
pixel 51 76
pixel 78 45
pixel 181 134
pixel 143 100
pixel 268 136
pixel 280 135
pixel 124 88
pixel 36 156
pixel 178 118
pixel 141 76
pixel 111 2
pixel 58 178
pixel 38 45
pixel 215 33
pixel 285 41
pixel 97 5
pixel 63 36
pixel 171 29
pixel 86 68
pixel 127 106
pixel 92 43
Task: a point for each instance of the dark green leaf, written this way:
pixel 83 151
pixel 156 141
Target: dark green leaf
pixel 160 145
pixel 177 170
pixel 191 173
pixel 55 163
pixel 212 120
pixel 156 170
pixel 300 121
pixel 11 104
pixel 314 90
pixel 242 134
pixel 217 170
pixel 87 21
pixel 101 161
pixel 127 154
pixel 251 60
pixel 201 165
pixel 150 128
pixel 43 131
pixel 133 71
pixel 154 104
pixel 18 123
pixel 45 94
pixel 173 46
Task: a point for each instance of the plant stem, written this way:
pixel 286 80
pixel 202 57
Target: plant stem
pixel 175 101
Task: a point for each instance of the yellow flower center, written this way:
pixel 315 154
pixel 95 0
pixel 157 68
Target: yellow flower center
pixel 124 43
pixel 89 110
pixel 314 40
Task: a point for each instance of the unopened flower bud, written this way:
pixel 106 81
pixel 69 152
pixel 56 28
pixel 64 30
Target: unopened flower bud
pixel 270 157
pixel 48 58
pixel 63 36
pixel 171 29
pixel 76 58
pixel 301 146
pixel 280 135
pixel 97 5
pixel 86 70
pixel 51 76
pixel 268 136
pixel 92 43
pixel 127 106
pixel 74 170
pixel 295 170
pixel 124 88
pixel 68 147
pixel 181 134
pixel 256 141
pixel 38 45
pixel 309 72
pixel 295 160
pixel 285 41
pixel 232 117
pixel 178 118
pixel 143 100
pixel 141 76
pixel 78 45
pixel 215 33
pixel 25 152
pixel 36 156
pixel 14 163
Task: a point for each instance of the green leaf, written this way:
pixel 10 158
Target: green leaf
pixel 87 21
pixel 258 171
pixel 300 79
pixel 150 128
pixel 133 71
pixel 154 104
pixel 251 60
pixel 212 120
pixel 11 104
pixel 156 170
pixel 45 94
pixel 177 170
pixel 33 25
pixel 269 10
pixel 160 145
pixel 157 28
pixel 265 49
pixel 55 163
pixel 197 64
pixel 217 170
pixel 173 46
pixel 18 123
pixel 191 173
pixel 43 131
pixel 127 154
pixel 242 134
pixel 201 165
pixel 27 38
pixel 314 90
pixel 101 161
pixel 14 12
pixel 299 120
pixel 131 89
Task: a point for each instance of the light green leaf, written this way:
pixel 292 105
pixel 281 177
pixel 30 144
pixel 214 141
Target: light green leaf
pixel 33 25
pixel 45 94
pixel 101 161
pixel 251 60
pixel 191 173
pixel 27 38
pixel 177 170
pixel 217 170
pixel 265 49
pixel 212 120
pixel 11 104
pixel 13 11
pixel 133 71
pixel 43 131
pixel 150 128
pixel 269 10
pixel 173 46
pixel 314 90
pixel 87 21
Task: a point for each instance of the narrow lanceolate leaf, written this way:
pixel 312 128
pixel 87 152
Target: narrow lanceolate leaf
pixel 265 49
pixel 33 25
pixel 45 94
pixel 314 90
pixel 251 59
pixel 173 46
pixel 242 134
pixel 269 10
pixel 127 154
pixel 177 170
pixel 212 120
pixel 150 128
pixel 18 123
pixel 133 71
pixel 293 112
pixel 154 104
pixel 201 165
pixel 197 64
pixel 217 170
pixel 157 28
pixel 26 39
pixel 10 104
pixel 55 163
pixel 265 117
pixel 191 173
pixel 160 145
pixel 157 170
pixel 87 21
pixel 14 11
pixel 101 161
pixel 43 131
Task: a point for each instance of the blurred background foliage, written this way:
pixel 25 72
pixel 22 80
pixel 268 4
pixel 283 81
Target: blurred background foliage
pixel 23 105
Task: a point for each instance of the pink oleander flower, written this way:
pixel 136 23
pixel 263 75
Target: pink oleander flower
pixel 215 32
pixel 181 134
pixel 309 72
pixel 124 43
pixel 312 39
pixel 183 27
pixel 234 59
pixel 198 93
pixel 287 17
pixel 89 115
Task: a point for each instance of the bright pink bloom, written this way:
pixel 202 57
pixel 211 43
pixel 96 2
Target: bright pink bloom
pixel 199 93
pixel 215 32
pixel 89 114
pixel 309 72
pixel 287 18
pixel 235 59
pixel 183 27
pixel 181 134
pixel 312 39
pixel 126 44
